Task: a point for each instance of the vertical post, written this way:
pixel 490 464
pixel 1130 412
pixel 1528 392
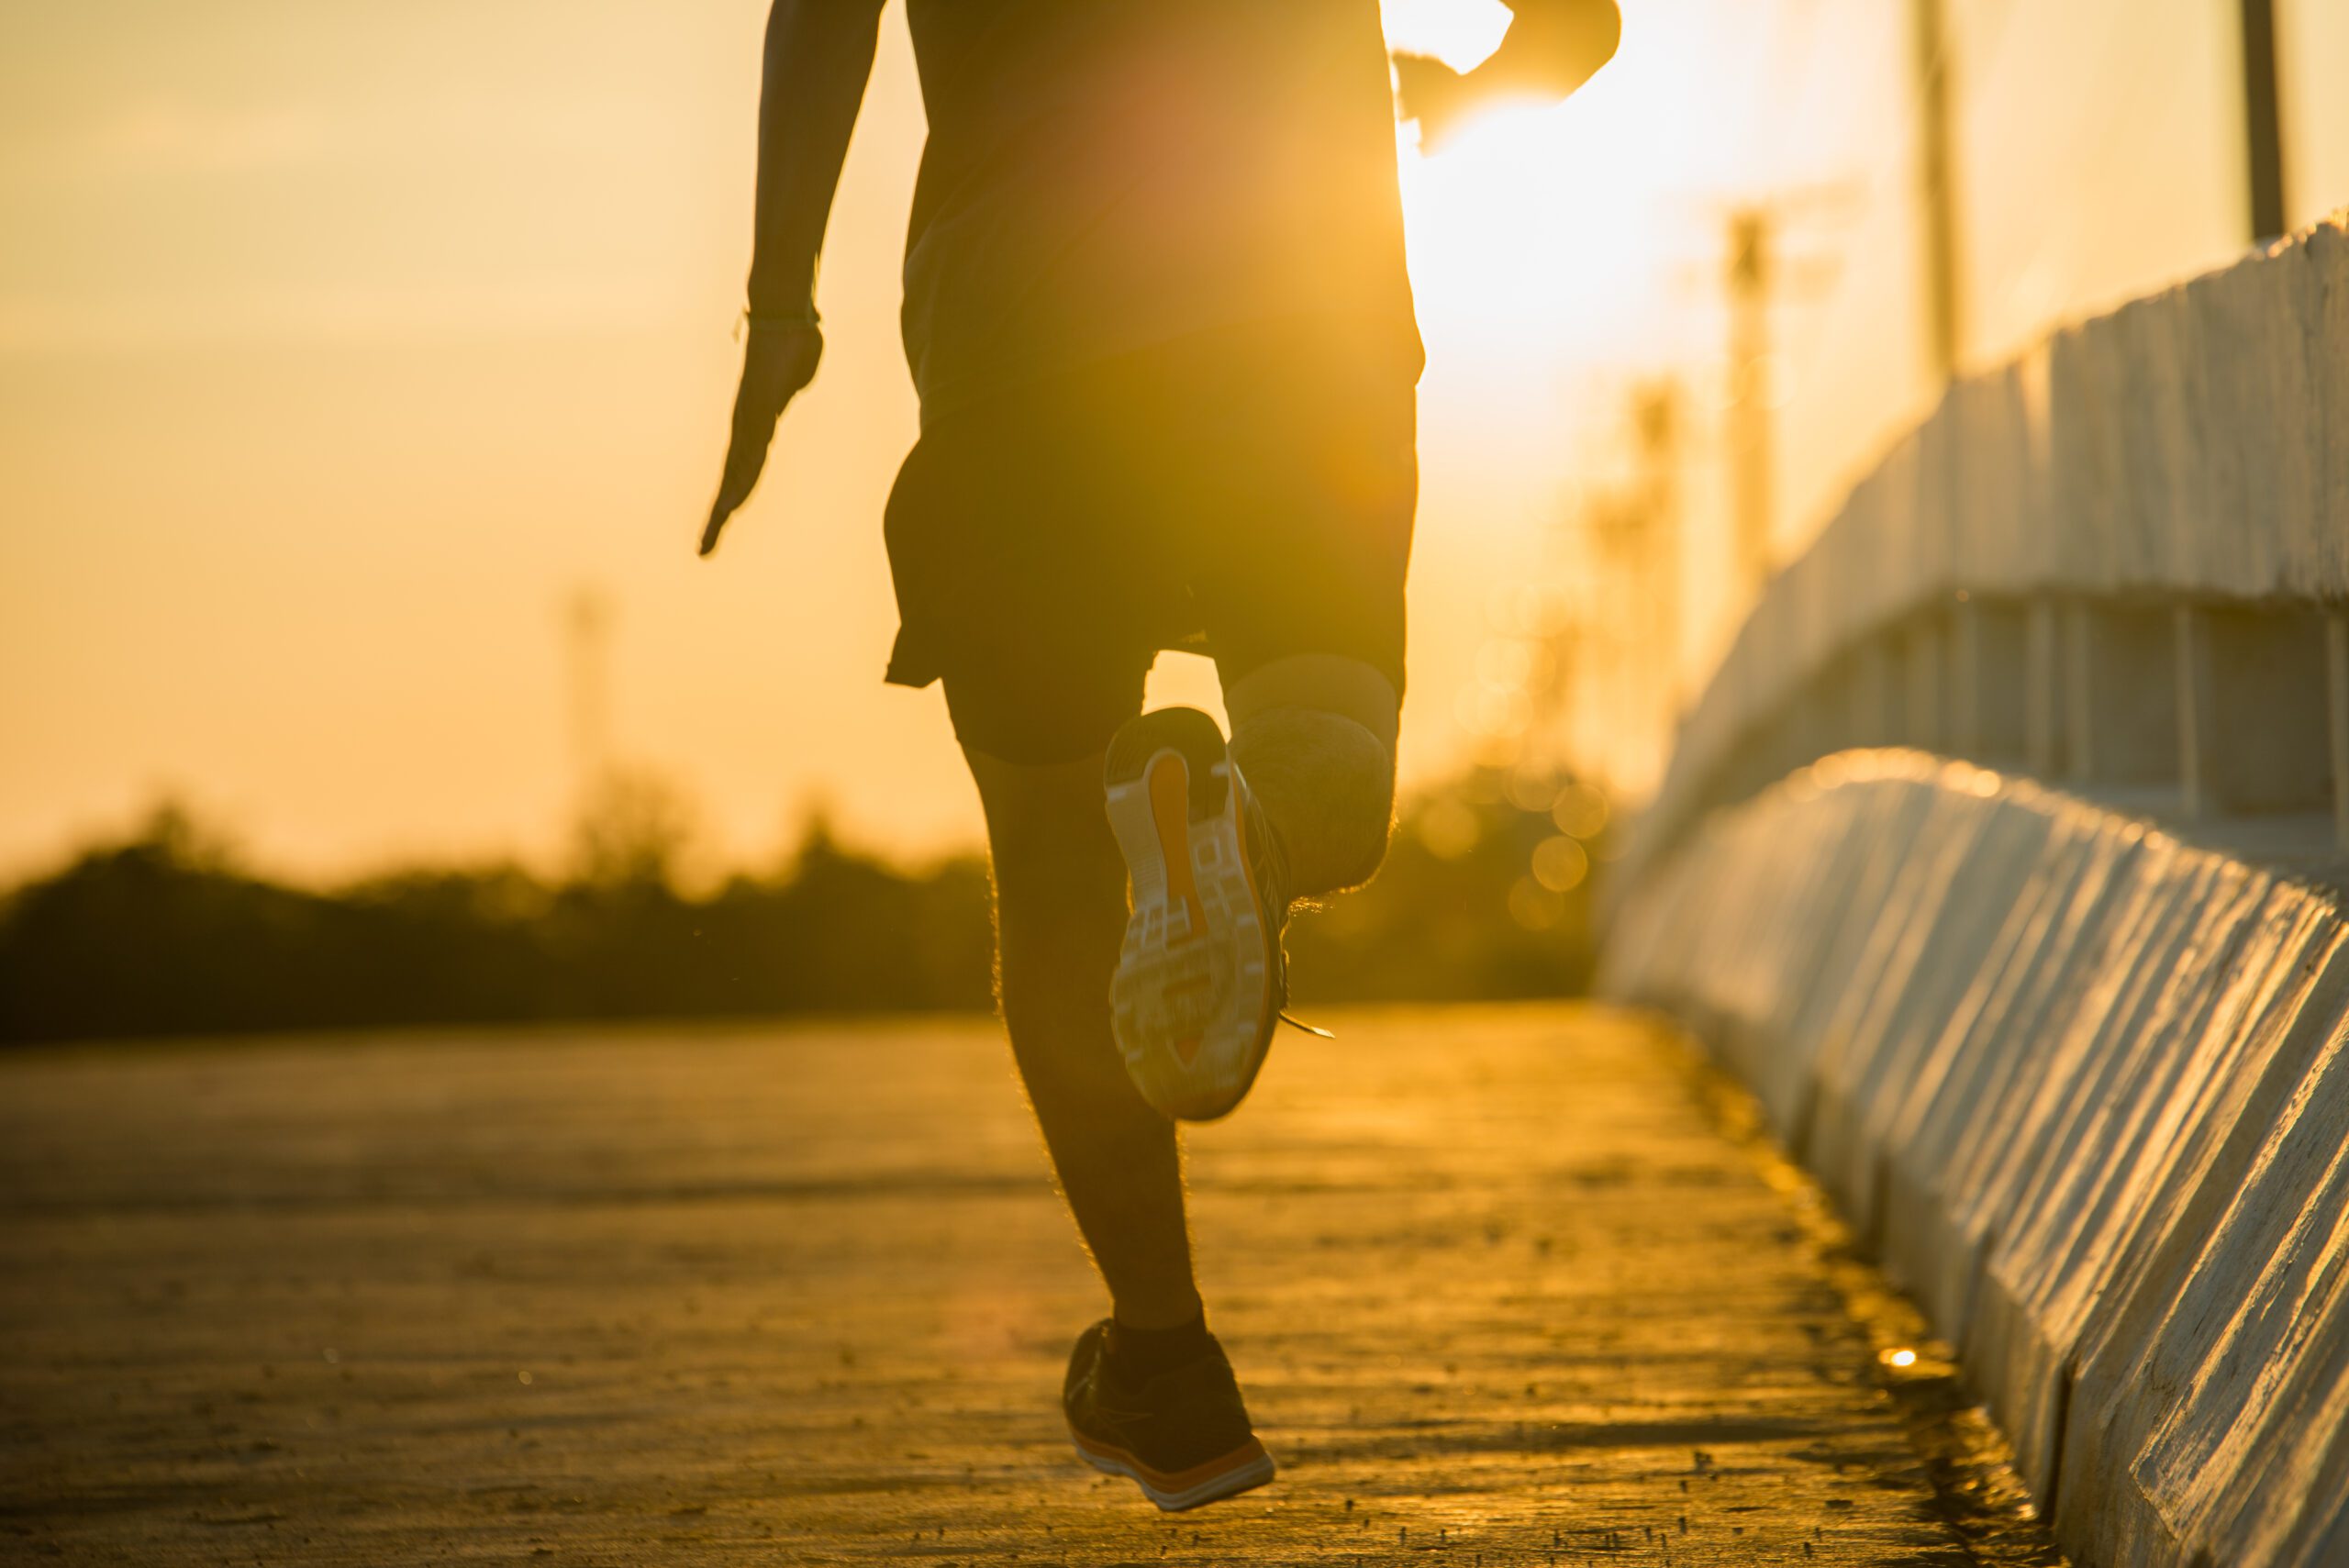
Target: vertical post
pixel 1656 415
pixel 1937 195
pixel 1749 431
pixel 1822 729
pixel 1966 681
pixel 2336 691
pixel 2262 119
pixel 2190 642
pixel 1924 703
pixel 2042 688
pixel 2079 687
pixel 1868 727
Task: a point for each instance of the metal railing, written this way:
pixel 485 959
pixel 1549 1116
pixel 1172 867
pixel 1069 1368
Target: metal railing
pixel 2120 563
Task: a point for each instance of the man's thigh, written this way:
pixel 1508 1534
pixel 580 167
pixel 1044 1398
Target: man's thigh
pixel 1044 701
pixel 1291 519
pixel 1056 862
pixel 1025 579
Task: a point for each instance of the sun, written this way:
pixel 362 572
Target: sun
pixel 1493 228
pixel 1537 230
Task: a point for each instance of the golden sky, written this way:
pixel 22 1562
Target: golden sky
pixel 340 346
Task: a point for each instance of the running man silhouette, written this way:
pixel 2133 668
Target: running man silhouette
pixel 1156 310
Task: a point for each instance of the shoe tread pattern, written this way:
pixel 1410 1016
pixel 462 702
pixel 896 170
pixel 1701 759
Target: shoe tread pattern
pixel 1189 1006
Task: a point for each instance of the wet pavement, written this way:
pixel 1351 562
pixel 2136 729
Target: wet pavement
pixel 1499 1284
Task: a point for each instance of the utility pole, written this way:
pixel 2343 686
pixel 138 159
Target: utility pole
pixel 1752 279
pixel 587 630
pixel 1619 659
pixel 2262 119
pixel 1655 415
pixel 1751 275
pixel 1945 319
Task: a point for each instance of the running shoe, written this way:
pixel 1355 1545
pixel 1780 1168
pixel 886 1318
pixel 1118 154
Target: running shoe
pixel 1201 978
pixel 1184 1435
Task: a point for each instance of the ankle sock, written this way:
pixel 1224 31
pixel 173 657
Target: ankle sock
pixel 1139 1354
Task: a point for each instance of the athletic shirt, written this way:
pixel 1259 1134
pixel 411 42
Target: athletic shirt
pixel 1103 175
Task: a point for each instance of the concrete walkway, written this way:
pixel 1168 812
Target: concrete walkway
pixel 1498 1286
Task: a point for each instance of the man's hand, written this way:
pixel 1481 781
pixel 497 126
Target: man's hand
pixel 1552 48
pixel 1437 96
pixel 777 364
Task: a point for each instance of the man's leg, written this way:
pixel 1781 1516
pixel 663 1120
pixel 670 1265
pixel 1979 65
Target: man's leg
pixel 1060 901
pixel 1314 735
pixel 1149 1394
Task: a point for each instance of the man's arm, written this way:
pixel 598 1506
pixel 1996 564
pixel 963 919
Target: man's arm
pixel 819 58
pixel 1552 48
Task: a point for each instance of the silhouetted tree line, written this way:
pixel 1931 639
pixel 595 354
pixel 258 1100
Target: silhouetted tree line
pixel 168 932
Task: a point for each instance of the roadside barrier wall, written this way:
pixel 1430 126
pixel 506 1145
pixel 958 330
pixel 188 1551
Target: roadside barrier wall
pixel 2083 1089
pixel 2070 1054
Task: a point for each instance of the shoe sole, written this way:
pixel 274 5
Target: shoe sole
pixel 1244 1468
pixel 1192 998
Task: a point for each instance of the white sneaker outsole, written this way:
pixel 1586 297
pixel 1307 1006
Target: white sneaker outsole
pixel 1193 1002
pixel 1247 1468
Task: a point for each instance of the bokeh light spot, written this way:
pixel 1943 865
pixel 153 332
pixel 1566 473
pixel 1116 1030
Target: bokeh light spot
pixel 1560 864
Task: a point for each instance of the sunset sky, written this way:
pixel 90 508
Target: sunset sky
pixel 341 345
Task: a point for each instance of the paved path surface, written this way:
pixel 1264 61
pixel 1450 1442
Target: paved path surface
pixel 1500 1291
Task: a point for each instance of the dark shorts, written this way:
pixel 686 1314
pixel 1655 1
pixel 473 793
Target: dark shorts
pixel 1246 494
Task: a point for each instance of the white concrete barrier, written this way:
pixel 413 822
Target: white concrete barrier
pixel 2084 1088
pixel 2187 451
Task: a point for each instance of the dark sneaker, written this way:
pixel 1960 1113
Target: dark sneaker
pixel 1201 978
pixel 1183 1435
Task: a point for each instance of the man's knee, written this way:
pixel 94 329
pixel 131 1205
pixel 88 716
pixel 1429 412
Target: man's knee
pixel 1327 682
pixel 1358 847
pixel 1326 780
pixel 1376 837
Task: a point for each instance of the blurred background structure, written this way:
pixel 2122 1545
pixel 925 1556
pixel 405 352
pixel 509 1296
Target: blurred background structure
pixel 339 348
